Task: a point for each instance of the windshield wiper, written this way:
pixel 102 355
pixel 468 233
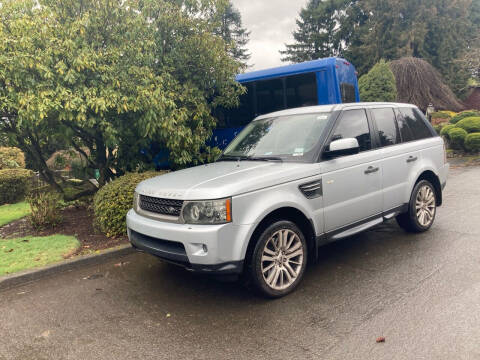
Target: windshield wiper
pixel 233 158
pixel 265 158
pixel 248 158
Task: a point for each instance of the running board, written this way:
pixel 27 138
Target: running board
pixel 357 229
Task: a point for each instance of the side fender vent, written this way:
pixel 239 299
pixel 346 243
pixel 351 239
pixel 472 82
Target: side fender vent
pixel 312 189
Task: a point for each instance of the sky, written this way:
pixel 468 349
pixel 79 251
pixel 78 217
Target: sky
pixel 270 23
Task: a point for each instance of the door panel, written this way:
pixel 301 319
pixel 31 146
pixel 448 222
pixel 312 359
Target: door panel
pixel 352 191
pixel 399 161
pixel 352 184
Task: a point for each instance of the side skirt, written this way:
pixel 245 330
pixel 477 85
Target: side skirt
pixel 359 226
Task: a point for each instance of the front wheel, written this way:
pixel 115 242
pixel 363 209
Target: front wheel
pixel 421 209
pixel 279 259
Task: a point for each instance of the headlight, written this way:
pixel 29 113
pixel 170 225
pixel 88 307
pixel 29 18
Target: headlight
pixel 208 212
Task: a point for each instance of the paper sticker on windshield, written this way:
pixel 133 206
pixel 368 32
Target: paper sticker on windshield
pixel 298 152
pixel 322 117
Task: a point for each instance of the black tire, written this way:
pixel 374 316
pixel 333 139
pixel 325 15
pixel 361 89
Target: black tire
pixel 410 220
pixel 256 267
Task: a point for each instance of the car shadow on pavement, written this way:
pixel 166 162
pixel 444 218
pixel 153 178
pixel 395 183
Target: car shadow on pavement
pixel 162 280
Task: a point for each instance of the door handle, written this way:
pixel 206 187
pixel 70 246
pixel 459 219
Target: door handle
pixel 412 159
pixel 371 170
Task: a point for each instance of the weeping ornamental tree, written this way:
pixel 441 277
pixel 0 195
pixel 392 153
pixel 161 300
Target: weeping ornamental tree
pixel 112 76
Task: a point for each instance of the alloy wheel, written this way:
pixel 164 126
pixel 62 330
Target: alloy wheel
pixel 425 206
pixel 282 259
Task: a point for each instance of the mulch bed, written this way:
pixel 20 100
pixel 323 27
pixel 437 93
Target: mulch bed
pixel 76 221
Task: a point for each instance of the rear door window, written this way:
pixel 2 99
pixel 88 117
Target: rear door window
pixel 354 124
pixel 386 124
pixel 416 123
pixel 403 128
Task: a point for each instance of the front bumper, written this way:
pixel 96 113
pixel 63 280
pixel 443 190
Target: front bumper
pixel 214 249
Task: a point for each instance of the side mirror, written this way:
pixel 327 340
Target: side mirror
pixel 341 147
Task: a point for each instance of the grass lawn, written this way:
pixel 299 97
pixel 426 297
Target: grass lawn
pixel 9 213
pixel 30 252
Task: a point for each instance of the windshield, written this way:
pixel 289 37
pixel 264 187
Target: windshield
pixel 287 137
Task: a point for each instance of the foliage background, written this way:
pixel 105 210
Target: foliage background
pixel 113 76
pixel 443 32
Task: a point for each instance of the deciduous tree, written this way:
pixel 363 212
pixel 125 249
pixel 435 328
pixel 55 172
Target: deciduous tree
pixel 112 76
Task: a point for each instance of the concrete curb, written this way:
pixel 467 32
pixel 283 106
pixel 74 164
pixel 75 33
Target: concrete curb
pixel 22 277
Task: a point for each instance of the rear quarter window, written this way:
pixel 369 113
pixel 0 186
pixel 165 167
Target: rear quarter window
pixel 416 123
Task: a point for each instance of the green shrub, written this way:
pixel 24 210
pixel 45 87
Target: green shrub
pixel 446 129
pixel 440 115
pixel 470 124
pixel 45 209
pixel 472 141
pixel 14 184
pixel 112 202
pixel 11 158
pixel 378 84
pixel 463 115
pixel 457 138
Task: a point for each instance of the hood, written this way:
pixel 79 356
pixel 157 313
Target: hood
pixel 223 179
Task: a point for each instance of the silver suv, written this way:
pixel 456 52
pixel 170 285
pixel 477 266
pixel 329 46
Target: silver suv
pixel 290 182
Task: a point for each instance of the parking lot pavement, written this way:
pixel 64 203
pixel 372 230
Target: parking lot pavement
pixel 420 292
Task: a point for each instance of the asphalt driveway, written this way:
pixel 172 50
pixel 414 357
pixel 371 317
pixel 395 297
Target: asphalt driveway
pixel 421 292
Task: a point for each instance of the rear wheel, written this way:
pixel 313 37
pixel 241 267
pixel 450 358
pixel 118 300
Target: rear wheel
pixel 279 259
pixel 421 209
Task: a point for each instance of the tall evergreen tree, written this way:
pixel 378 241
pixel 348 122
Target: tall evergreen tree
pixel 233 33
pixel 319 31
pixel 435 30
pixel 369 30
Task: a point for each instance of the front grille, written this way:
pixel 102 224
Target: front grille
pixel 161 206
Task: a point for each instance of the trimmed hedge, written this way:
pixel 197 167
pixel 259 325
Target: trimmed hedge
pixel 14 184
pixel 470 124
pixel 446 129
pixel 472 141
pixel 11 158
pixel 440 115
pixel 463 115
pixel 457 138
pixel 112 202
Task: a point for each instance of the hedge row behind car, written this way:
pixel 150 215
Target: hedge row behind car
pixel 14 184
pixel 472 142
pixel 457 134
pixel 464 115
pixel 112 202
